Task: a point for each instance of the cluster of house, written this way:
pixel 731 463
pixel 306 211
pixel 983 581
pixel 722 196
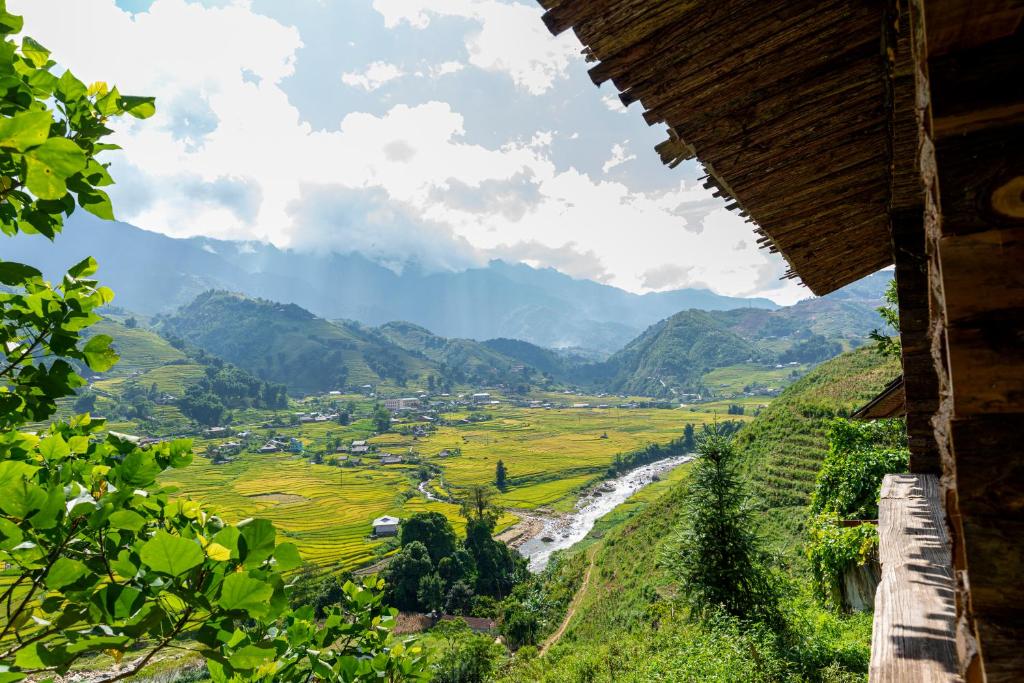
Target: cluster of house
pixel 307 418
pixel 361 447
pixel 279 444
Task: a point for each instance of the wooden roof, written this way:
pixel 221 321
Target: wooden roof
pixel 891 402
pixel 783 102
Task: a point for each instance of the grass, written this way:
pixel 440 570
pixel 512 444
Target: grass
pixel 733 379
pixel 783 451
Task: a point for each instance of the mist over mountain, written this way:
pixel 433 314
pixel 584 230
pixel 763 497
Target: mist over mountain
pixel 152 273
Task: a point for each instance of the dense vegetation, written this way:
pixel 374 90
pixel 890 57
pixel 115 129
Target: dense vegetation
pixel 97 556
pixel 286 344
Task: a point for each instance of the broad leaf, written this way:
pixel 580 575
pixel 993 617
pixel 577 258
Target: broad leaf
pixel 171 555
pixel 64 572
pixel 15 274
pixel 50 165
pixel 98 353
pixel 239 592
pixel 25 130
pixel 127 519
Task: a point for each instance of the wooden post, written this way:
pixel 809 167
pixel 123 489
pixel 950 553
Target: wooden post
pixel 908 125
pixel 975 248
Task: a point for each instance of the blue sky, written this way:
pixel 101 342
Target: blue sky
pixel 445 131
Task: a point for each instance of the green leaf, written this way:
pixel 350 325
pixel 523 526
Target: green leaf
pixel 54 448
pixel 26 129
pixel 181 453
pixel 258 536
pixel 139 107
pixel 127 519
pixel 34 52
pixel 14 471
pixel 98 353
pixel 10 534
pixel 96 202
pixel 287 556
pixel 50 164
pixel 252 656
pixel 64 572
pixel 9 23
pixel 15 274
pixel 171 555
pixel 139 468
pixel 240 592
pixel 83 268
pixel 70 88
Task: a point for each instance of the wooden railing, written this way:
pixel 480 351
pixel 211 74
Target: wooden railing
pixel 913 636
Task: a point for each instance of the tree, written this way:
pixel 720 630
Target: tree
pixel 98 557
pixel 381 419
pixel 434 531
pixel 716 556
pixel 500 475
pixel 689 440
pixel 886 344
pixel 131 323
pixel 459 598
pixel 478 504
pixel 465 656
pixel 404 574
pixel 519 625
pixel 431 593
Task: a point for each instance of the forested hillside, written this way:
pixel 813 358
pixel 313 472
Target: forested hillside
pixel 628 626
pixel 673 354
pixel 285 343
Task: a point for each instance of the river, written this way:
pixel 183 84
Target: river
pixel 567 530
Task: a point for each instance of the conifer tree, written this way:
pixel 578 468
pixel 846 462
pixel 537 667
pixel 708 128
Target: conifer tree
pixel 717 557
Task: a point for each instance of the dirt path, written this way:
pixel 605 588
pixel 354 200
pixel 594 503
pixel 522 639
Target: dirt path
pixel 571 612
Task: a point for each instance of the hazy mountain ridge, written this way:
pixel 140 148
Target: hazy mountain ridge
pixel 152 273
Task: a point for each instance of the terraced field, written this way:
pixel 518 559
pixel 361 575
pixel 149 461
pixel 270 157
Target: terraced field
pixel 733 379
pixel 784 449
pixel 326 511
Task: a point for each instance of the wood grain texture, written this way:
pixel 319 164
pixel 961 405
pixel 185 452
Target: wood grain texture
pixel 913 637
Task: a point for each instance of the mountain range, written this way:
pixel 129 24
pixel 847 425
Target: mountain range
pixel 288 344
pixel 152 273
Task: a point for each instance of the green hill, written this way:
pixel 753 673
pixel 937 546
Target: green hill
pixel 287 344
pixel 140 349
pixel 784 446
pixel 673 355
pixel 458 360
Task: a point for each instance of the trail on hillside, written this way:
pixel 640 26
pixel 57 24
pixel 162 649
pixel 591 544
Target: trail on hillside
pixel 569 613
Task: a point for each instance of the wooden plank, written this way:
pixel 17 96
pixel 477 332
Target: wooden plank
pixel 913 638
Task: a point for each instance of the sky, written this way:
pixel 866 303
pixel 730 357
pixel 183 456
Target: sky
pixel 441 132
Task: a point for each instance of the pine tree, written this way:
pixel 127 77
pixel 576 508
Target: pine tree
pixel 499 476
pixel 717 557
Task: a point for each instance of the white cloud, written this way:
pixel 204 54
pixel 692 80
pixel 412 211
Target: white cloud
pixel 228 155
pixel 445 68
pixel 374 76
pixel 614 104
pixel 617 158
pixel 510 39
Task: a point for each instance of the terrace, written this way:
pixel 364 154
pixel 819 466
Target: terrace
pixel 854 136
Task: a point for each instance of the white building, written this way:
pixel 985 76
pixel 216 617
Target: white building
pixel 396 404
pixel 385 526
